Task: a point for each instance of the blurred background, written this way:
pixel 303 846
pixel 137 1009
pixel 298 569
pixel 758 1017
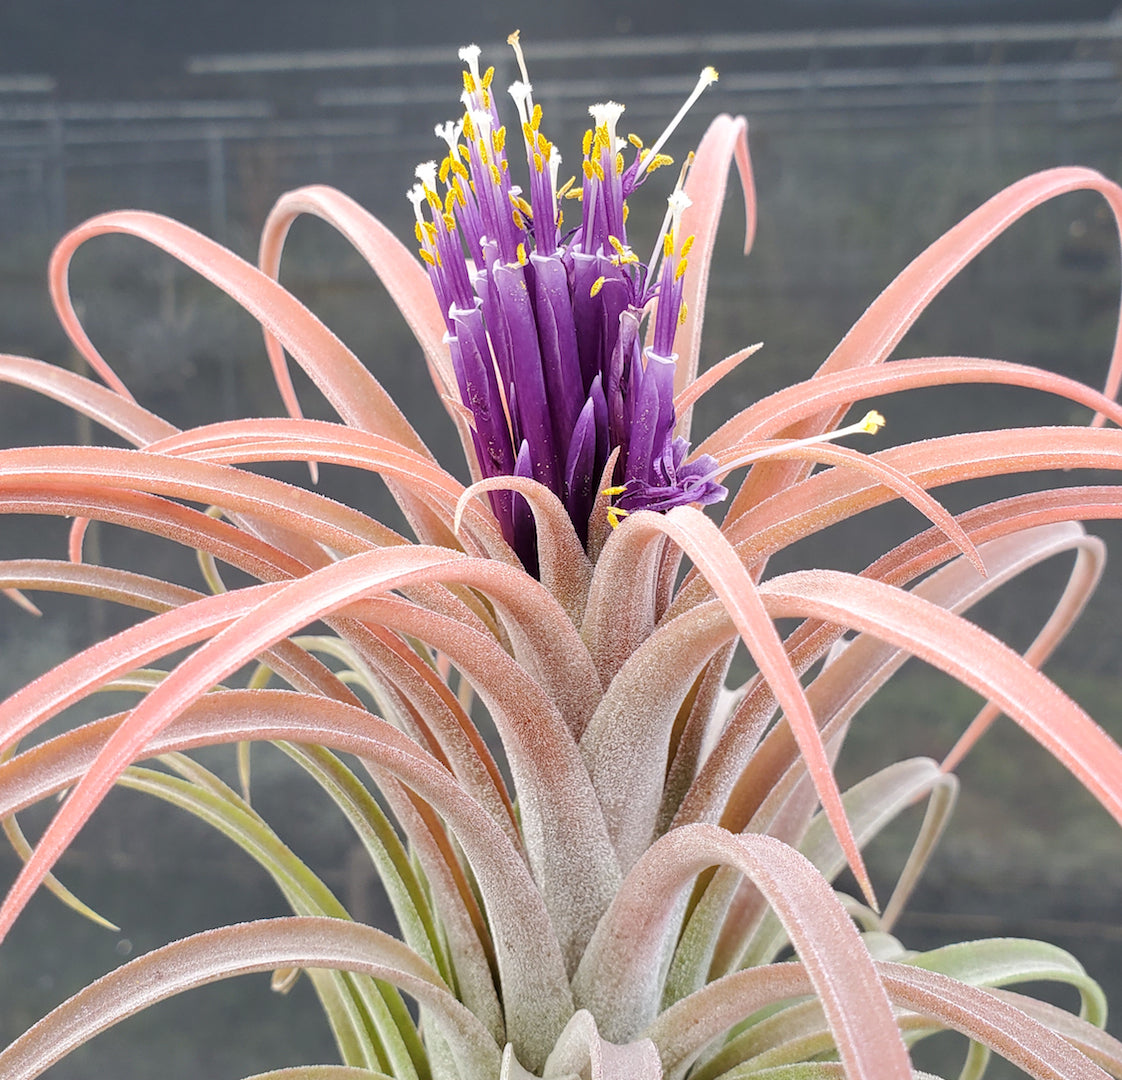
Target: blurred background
pixel 874 127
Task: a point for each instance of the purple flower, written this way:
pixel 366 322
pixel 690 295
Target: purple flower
pixel 545 326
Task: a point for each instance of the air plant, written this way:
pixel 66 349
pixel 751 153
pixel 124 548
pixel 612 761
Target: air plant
pixel 651 896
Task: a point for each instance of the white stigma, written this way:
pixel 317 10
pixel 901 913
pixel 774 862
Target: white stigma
pixel 607 114
pixel 426 173
pixel 522 93
pixel 469 54
pixel 449 131
pixel 416 195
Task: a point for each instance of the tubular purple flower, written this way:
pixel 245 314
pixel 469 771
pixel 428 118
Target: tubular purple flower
pixel 545 329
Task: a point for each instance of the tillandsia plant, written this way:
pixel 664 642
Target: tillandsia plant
pixel 651 895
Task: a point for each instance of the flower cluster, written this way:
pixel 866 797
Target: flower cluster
pixel 546 327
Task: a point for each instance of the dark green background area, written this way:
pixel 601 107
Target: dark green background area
pixel 850 189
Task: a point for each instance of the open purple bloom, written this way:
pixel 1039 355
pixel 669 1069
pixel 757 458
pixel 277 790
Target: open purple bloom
pixel 562 341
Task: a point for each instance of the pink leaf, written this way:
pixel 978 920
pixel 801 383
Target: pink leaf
pixel 714 558
pixel 618 980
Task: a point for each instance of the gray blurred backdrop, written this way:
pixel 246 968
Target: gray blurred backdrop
pixel 874 127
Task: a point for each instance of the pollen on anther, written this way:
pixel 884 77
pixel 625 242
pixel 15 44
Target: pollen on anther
pixel 597 285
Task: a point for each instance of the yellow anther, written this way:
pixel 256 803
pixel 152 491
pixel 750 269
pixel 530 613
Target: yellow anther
pixel 871 422
pixel 536 117
pixel 617 244
pixel 598 169
pixel 560 218
pixel 469 126
pixel 434 201
pixel 589 172
pixel 626 213
pixel 522 260
pixel 687 244
pixel 658 161
pixel 449 220
pixel 619 164
pixel 615 516
pixel 427 257
pixel 539 164
pixel 612 492
pixel 520 203
pixel 635 141
pixel 528 134
pixel 681 269
pixel 518 219
pixel 597 285
pixel 449 201
pixel 458 169
pixel 488 75
pixel 498 139
pixel 668 244
pixel 485 98
pixel 586 143
pixel 563 190
pixel 578 194
pixel 496 175
pixel 544 145
pixel 469 82
pixel 419 232
pixel 683 314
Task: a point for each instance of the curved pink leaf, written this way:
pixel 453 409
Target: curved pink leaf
pixel 242 950
pixel 684 1029
pixel 709 378
pixel 835 495
pixel 530 962
pixel 257 440
pixel 330 523
pixel 351 389
pixel 618 980
pixel 772 414
pixel 564 828
pixel 1082 582
pixel 109 408
pixel 873 337
pixel 967 653
pixel 395 266
pixel 898 482
pixel 564 568
pixel 626 744
pixel 725 141
pixel 715 559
